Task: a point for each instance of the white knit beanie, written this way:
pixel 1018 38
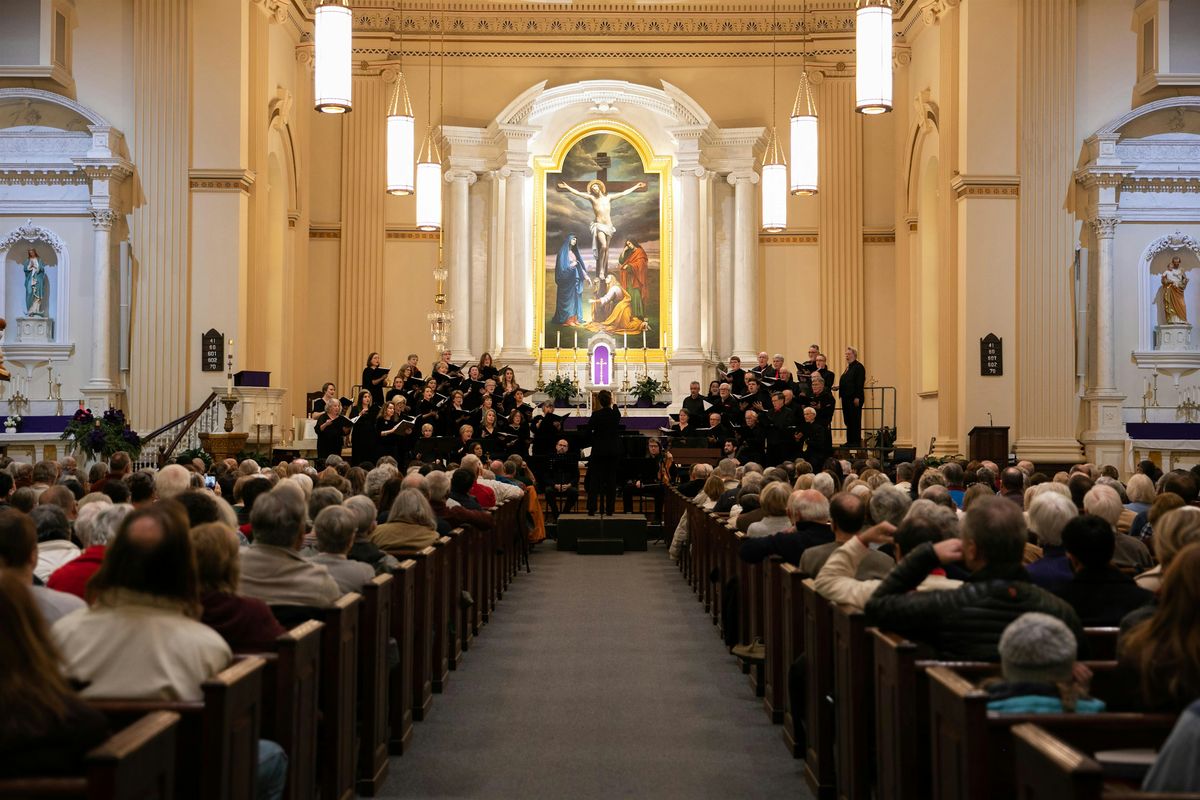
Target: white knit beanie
pixel 1037 648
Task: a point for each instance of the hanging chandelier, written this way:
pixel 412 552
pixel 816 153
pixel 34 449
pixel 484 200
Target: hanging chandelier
pixel 873 59
pixel 774 165
pixel 331 68
pixel 429 161
pixel 400 131
pixel 804 128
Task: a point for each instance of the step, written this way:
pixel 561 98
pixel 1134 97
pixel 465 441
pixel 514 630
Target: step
pixel 600 547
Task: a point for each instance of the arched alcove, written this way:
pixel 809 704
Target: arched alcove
pixel 54 256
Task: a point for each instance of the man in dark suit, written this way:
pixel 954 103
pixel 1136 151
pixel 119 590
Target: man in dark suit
pixel 562 490
pixel 852 390
pixel 818 444
pixel 781 425
pixel 694 402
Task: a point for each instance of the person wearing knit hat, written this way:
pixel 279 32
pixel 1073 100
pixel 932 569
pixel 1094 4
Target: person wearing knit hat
pixel 1037 660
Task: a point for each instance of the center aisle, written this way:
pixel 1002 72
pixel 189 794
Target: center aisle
pixel 598 677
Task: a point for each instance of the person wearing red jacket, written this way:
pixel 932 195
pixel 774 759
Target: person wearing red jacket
pixel 94 526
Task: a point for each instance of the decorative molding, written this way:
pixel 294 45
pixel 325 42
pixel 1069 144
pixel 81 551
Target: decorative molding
pixel 986 185
pixel 220 180
pixel 103 218
pixel 880 236
pixel 1105 227
pixel 29 232
pixel 412 235
pixel 277 10
pixel 789 237
pixel 324 230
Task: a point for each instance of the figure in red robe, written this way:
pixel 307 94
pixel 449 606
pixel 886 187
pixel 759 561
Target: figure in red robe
pixel 633 264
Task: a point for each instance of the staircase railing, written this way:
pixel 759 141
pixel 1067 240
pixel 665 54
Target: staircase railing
pixel 159 446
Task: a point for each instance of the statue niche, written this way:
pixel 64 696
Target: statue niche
pixel 31 288
pixel 1173 331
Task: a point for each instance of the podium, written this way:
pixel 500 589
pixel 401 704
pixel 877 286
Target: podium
pixel 988 443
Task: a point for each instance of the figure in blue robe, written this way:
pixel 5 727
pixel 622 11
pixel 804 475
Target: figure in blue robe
pixel 35 285
pixel 569 278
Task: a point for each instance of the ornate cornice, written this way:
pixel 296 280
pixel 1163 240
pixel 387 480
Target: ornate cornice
pixel 220 180
pixel 33 233
pixel 789 237
pixel 324 230
pixel 103 218
pixel 1105 227
pixel 986 185
pixel 412 235
pixel 41 176
pixel 277 10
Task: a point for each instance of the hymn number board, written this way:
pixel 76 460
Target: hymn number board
pixel 212 351
pixel 991 355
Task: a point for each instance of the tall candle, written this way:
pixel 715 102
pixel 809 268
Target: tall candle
pixel 643 340
pixel 575 346
pixel 557 340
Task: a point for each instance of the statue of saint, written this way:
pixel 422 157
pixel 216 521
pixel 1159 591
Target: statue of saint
pixel 1173 284
pixel 36 284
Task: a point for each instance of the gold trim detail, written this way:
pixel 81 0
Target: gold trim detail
pixel 788 238
pixel 986 186
pixel 220 180
pixel 412 234
pixel 661 165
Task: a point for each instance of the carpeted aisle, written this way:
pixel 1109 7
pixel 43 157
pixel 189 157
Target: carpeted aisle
pixel 598 677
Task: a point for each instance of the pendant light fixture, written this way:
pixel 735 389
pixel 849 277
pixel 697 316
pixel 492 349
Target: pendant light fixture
pixel 439 319
pixel 429 163
pixel 774 165
pixel 400 131
pixel 804 128
pixel 333 36
pixel 873 59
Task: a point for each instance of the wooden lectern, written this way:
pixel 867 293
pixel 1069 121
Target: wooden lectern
pixel 989 443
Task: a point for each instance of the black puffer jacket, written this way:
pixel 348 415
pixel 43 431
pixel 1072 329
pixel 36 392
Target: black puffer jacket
pixel 966 623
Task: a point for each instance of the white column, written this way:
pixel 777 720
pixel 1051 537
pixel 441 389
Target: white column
pixel 1105 438
pixel 517 295
pixel 745 266
pixel 1106 230
pixel 687 264
pixel 101 384
pixel 459 265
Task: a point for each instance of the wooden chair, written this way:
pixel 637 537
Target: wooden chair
pixel 791 581
pixel 136 763
pixel 972 748
pixel 400 691
pixel 291 696
pixel 375 631
pixel 774 669
pixel 216 752
pixel 1050 767
pixel 818 688
pixel 336 731
pixel 853 704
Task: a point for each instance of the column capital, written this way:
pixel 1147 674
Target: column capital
pixel 102 218
pixel 514 170
pixel 455 174
pixel 1104 227
pixel 689 171
pixel 741 176
pixel 277 10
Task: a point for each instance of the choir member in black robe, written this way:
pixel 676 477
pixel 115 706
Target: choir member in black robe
pixel 821 368
pixel 714 392
pixel 364 440
pixel 736 376
pixel 398 389
pixel 755 397
pixel 852 390
pixel 425 447
pixel 454 414
pixel 753 440
pixel 486 368
pixel 781 425
pixel 694 403
pixel 784 381
pixel 466 441
pixel 684 426
pixel 809 366
pixel 328 393
pixel 374 378
pixel 507 381
pixel 332 429
pixel 822 400
pixel 818 444
pixel 547 429
pixel 719 431
pixel 388 423
pixel 415 371
pixel 761 366
pixel 427 407
pixel 518 427
pixel 489 434
pixel 776 365
pixel 726 406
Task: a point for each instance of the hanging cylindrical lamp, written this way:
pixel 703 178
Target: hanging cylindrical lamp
pixel 400 140
pixel 873 59
pixel 334 34
pixel 429 184
pixel 804 140
pixel 774 186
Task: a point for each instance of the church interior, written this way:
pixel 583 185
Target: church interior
pixel 420 288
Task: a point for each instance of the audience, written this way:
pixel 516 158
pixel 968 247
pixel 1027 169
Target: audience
pixel 410 525
pixel 847 515
pixel 55 547
pixel 364 549
pixel 1104 502
pixel 272 567
pixel 809 512
pixel 1099 592
pixel 772 501
pixel 245 623
pixel 335 527
pixel 1048 514
pixel 1174 530
pixel 19 555
pixel 1037 661
pixel 96 526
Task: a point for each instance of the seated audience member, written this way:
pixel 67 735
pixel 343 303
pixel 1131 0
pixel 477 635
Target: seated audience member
pixel 1099 592
pixel 952 471
pixel 18 555
pixel 45 729
pixel 838 580
pixel 752 480
pixel 696 477
pixel 966 623
pixel 809 512
pixel 1037 661
pixel 457 515
pixel 334 527
pixel 1048 514
pixel 62 497
pixel 1173 531
pixel 501 492
pixel 1176 482
pixel 272 568
pixel 364 549
pixel 96 526
pixel 1176 768
pixel 411 524
pixel 1104 502
pixel 140 638
pixel 55 547
pixel 714 487
pixel 171 480
pixel 973 491
pixel 245 623
pixel 142 488
pixel 773 501
pixel 1162 649
pixel 1165 502
pixel 847 516
pixel 887 504
pixel 462 485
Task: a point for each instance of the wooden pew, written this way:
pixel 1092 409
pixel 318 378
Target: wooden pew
pixel 972 749
pixel 216 752
pixel 375 629
pixel 726 557
pixel 291 696
pixel 441 613
pixel 712 569
pixel 791 581
pixel 774 669
pixel 136 763
pixel 853 704
pixel 336 732
pixel 818 688
pixel 424 573
pixel 902 747
pixel 400 691
pixel 751 579
pixel 1049 766
pixel 1102 643
pixel 469 560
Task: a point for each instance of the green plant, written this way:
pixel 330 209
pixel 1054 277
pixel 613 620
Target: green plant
pixel 562 388
pixel 98 439
pixel 186 456
pixel 646 388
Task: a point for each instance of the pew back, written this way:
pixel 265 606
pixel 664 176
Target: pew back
pixel 375 629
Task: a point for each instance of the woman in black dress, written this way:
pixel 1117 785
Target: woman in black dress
pixel 489 434
pixel 332 429
pixel 364 441
pixel 486 370
pixel 518 426
pixel 466 441
pixel 390 437
pixel 374 378
pixel 605 428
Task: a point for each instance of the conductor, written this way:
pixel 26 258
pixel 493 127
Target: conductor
pixel 605 428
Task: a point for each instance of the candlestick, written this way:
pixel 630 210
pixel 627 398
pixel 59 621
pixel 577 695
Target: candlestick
pixel 575 346
pixel 557 339
pixel 643 340
pixel 229 375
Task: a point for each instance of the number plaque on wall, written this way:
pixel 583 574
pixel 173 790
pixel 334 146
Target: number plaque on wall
pixel 991 355
pixel 212 351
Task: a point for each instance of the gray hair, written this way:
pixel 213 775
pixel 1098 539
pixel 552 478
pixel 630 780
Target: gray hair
pixel 823 483
pixel 335 527
pixel 471 461
pixel 376 478
pixel 808 505
pixel 172 480
pixel 321 498
pixel 931 477
pixel 1049 513
pixel 103 524
pixel 752 481
pixel 888 504
pixel 277 518
pixel 364 513
pixel 412 507
pixel 1104 502
pixel 415 480
pixel 1037 648
pixel 939 517
pixel 439 485
pixel 727 468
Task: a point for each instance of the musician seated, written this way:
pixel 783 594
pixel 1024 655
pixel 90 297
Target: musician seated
pixel 649 477
pixel 562 490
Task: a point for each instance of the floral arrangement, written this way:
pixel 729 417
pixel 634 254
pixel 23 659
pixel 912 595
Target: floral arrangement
pixel 12 422
pixel 100 438
pixel 562 388
pixel 646 388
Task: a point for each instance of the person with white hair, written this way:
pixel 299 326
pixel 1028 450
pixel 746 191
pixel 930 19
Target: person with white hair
pixel 1048 514
pixel 823 482
pixel 95 526
pixel 773 500
pixel 364 549
pixel 1104 502
pixel 172 480
pixel 335 527
pixel 808 510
